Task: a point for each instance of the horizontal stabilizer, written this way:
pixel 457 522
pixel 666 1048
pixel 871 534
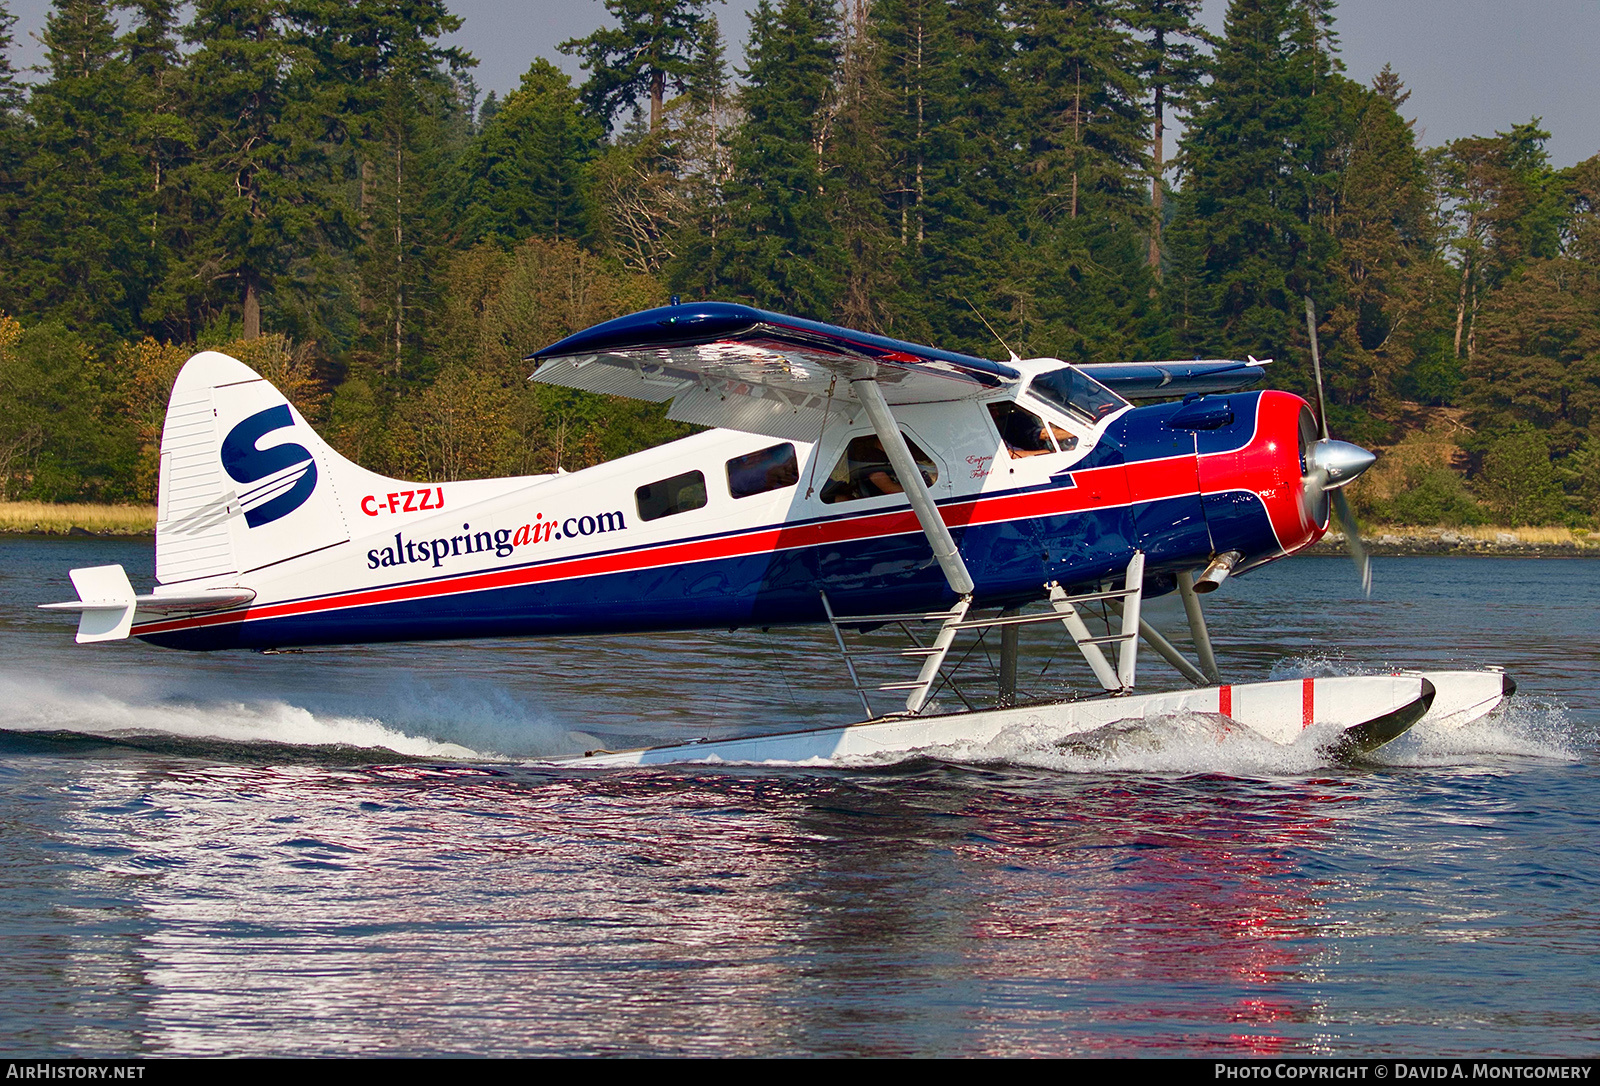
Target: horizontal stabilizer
pixel 747 369
pixel 1155 380
pixel 106 602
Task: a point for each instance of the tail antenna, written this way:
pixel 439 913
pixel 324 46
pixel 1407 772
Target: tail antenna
pixel 989 326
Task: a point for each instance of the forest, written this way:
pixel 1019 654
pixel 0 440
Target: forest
pixel 319 188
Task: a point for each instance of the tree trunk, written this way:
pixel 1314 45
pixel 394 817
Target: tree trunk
pixel 399 257
pixel 1077 138
pixel 252 308
pixel 1461 300
pixel 1156 193
pixel 1466 275
pixel 921 137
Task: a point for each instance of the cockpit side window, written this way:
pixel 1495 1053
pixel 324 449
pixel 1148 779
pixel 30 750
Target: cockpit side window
pixel 864 471
pixel 1073 390
pixel 1026 434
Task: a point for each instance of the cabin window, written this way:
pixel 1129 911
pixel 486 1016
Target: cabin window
pixel 1026 434
pixel 678 494
pixel 759 472
pixel 1075 391
pixel 864 472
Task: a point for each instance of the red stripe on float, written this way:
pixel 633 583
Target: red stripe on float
pixel 1225 700
pixel 1308 702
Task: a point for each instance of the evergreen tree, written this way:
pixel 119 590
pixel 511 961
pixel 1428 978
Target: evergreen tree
pixel 395 95
pixel 1249 238
pixel 1501 212
pixel 12 154
pixel 1388 281
pixel 82 242
pixel 781 250
pixel 1537 358
pixel 525 174
pixel 1170 69
pixel 163 139
pixel 258 180
pixel 704 165
pixel 652 47
pixel 1086 147
pixel 951 130
pixel 1083 256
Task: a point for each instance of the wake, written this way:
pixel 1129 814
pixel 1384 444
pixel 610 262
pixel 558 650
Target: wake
pixel 32 706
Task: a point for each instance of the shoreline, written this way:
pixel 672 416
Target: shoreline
pixel 1392 541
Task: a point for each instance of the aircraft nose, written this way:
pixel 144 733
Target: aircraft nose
pixel 1338 462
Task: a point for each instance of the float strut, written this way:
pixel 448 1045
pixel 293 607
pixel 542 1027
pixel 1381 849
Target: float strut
pixel 1197 627
pixel 1008 660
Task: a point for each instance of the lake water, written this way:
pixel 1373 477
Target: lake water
pixel 355 851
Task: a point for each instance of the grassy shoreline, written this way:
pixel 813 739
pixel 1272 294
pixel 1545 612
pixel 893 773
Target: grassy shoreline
pixel 44 518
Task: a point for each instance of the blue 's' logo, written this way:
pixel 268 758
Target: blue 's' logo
pixel 248 464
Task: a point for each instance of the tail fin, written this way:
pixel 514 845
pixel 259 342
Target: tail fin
pixel 245 482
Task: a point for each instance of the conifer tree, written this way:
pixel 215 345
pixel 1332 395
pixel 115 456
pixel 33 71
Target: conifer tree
pixel 1536 361
pixel 1171 68
pixel 1082 261
pixel 950 132
pixel 1249 238
pixel 258 176
pixel 524 175
pixel 781 250
pixel 1086 146
pixel 651 48
pixel 82 243
pixel 703 165
pixel 1388 281
pixel 12 154
pixel 1498 192
pixel 163 138
pixel 400 106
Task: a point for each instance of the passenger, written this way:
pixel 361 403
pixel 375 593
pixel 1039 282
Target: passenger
pixel 870 470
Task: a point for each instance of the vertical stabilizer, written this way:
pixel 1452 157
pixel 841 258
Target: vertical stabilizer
pixel 244 483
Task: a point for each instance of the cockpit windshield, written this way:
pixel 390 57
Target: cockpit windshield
pixel 1074 391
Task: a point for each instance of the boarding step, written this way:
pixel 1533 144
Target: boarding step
pixel 889 620
pixel 871 654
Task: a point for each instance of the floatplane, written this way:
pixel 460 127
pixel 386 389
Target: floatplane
pixel 848 480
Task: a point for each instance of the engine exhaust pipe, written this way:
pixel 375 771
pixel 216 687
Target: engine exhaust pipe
pixel 1217 572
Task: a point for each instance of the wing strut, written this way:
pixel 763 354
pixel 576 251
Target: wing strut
pixel 910 477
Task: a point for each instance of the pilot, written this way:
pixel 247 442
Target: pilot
pixel 1025 434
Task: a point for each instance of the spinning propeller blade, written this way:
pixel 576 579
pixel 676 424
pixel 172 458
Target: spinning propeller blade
pixel 1331 464
pixel 1352 539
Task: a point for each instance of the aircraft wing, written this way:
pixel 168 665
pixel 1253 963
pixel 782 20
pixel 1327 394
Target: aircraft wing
pixel 1154 380
pixel 746 369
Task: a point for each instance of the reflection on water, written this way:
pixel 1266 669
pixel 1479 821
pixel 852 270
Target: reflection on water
pixel 419 908
pixel 347 852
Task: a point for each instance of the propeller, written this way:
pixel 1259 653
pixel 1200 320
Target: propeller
pixel 1330 464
